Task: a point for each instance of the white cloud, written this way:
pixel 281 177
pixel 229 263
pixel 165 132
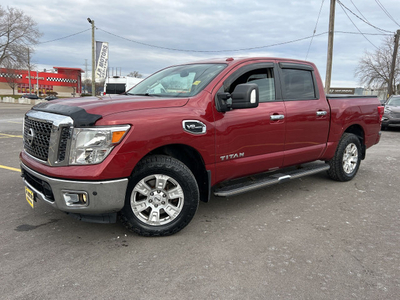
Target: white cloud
pixel 203 25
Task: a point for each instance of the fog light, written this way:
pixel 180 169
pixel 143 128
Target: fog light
pixel 72 198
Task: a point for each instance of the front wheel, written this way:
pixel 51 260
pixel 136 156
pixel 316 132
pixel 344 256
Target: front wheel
pixel 344 165
pixel 162 197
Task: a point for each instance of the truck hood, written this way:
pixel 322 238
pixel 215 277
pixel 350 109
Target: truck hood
pixel 86 111
pixel 395 109
pixel 111 104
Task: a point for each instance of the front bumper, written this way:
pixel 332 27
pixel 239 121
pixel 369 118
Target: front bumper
pixel 389 120
pixel 102 196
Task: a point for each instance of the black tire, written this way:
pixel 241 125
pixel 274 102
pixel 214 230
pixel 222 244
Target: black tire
pixel 164 210
pixel 344 165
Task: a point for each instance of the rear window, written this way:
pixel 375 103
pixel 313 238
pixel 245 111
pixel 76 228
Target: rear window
pixel 298 84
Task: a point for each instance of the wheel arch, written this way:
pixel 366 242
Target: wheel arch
pixel 358 131
pixel 193 160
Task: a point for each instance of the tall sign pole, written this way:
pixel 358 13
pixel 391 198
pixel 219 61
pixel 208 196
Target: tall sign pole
pixel 330 47
pixel 391 77
pixel 93 59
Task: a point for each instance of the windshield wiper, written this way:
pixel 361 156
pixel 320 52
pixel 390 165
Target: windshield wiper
pixel 146 94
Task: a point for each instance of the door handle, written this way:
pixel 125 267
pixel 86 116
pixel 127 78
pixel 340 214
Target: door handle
pixel 321 113
pixel 277 117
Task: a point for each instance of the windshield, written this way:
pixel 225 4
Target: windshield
pixel 178 81
pixel 394 101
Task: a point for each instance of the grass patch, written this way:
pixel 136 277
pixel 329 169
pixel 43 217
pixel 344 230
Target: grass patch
pixel 12 96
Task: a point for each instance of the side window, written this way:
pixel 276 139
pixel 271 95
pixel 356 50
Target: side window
pixel 264 78
pixel 298 84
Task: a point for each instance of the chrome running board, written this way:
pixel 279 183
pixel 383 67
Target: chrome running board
pixel 269 179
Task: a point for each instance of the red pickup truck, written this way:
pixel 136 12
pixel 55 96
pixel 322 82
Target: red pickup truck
pixel 151 154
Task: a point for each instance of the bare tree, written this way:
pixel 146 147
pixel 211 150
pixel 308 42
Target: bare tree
pixel 135 74
pixel 13 76
pixel 99 86
pixel 17 30
pixel 373 69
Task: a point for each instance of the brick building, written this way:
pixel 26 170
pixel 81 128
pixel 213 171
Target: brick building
pixel 64 81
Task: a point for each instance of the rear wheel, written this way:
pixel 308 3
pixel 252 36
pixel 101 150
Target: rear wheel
pixel 162 197
pixel 344 165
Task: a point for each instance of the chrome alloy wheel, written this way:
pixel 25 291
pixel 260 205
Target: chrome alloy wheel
pixel 350 158
pixel 157 199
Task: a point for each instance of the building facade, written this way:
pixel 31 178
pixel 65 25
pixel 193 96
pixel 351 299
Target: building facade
pixel 66 82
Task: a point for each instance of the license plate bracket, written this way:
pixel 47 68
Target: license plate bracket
pixel 29 196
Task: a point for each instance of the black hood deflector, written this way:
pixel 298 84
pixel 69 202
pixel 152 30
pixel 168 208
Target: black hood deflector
pixel 79 115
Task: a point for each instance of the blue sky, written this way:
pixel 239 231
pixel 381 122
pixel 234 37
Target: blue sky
pixel 207 26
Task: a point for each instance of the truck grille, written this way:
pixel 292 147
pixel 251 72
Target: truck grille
pixel 37 138
pixel 47 137
pixel 395 115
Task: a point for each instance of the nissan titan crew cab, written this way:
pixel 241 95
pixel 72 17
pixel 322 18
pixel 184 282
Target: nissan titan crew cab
pixel 187 132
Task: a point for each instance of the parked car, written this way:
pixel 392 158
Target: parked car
pixel 391 116
pixel 188 131
pixel 31 96
pixel 52 97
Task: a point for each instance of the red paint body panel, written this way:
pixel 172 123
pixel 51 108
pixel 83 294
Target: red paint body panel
pixel 300 137
pixel 306 133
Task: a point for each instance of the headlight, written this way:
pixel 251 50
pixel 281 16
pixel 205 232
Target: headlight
pixel 387 110
pixel 92 145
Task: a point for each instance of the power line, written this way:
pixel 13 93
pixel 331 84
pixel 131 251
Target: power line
pixel 64 37
pixel 211 51
pixel 363 33
pixel 243 49
pixel 386 12
pixel 359 11
pixel 345 7
pixel 214 51
pixel 341 5
pixel 315 29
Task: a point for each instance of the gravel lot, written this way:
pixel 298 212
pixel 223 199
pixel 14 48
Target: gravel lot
pixel 310 238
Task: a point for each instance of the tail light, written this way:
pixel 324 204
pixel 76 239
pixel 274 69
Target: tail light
pixel 381 110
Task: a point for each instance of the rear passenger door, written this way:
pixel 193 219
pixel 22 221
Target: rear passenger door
pixel 307 114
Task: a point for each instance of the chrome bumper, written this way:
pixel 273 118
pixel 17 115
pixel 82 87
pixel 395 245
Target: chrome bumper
pixel 103 196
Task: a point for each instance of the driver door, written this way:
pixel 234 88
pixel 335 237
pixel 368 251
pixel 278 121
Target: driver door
pixel 252 140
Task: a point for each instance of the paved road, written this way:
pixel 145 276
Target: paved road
pixel 311 238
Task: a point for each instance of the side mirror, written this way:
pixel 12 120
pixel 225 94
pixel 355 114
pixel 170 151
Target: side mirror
pixel 244 96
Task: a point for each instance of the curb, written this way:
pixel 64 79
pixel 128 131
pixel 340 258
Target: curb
pixel 21 101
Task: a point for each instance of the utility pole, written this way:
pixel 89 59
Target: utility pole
pixel 330 47
pixel 93 59
pixel 86 76
pixel 29 73
pixel 37 82
pixel 391 77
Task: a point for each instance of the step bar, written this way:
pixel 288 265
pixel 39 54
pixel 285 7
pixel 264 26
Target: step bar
pixel 271 179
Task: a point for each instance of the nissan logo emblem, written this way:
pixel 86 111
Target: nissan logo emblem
pixel 30 136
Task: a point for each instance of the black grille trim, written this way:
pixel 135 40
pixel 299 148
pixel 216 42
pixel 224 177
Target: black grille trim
pixel 62 149
pixel 39 185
